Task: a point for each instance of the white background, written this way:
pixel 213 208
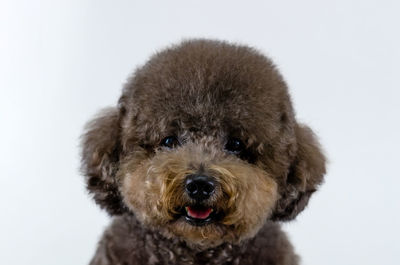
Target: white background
pixel 61 61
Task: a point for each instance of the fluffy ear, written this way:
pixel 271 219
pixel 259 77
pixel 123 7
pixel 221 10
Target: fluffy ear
pixel 305 174
pixel 100 158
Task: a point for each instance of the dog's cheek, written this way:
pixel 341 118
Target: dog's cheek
pixel 139 192
pixel 257 194
pixel 258 203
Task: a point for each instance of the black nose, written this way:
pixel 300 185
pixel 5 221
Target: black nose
pixel 199 187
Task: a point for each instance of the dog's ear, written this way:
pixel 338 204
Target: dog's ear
pixel 100 158
pixel 305 174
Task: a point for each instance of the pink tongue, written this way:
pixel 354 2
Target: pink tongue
pixel 198 213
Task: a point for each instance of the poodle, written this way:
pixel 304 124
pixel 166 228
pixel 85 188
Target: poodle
pixel 200 160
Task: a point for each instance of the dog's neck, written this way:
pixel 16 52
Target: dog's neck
pixel 159 247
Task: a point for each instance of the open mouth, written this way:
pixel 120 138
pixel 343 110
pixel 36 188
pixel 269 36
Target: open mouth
pixel 199 215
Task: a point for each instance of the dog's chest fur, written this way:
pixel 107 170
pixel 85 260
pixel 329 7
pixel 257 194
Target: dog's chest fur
pixel 126 241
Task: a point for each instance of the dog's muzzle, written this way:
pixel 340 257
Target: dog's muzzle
pixel 199 188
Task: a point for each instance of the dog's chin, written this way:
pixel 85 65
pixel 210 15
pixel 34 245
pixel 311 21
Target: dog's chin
pixel 198 236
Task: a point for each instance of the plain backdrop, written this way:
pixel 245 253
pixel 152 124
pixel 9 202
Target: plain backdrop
pixel 62 61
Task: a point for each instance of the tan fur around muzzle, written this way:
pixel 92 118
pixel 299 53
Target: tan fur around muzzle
pixel 154 188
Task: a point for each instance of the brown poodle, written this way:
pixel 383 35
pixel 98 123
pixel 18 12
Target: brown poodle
pixel 200 159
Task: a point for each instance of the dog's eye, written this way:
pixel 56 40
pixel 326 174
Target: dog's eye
pixel 234 145
pixel 170 142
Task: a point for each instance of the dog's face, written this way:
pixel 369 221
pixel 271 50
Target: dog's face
pixel 203 146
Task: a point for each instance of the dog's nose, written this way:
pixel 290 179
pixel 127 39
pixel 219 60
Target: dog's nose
pixel 199 187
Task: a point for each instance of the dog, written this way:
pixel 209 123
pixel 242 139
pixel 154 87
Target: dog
pixel 200 160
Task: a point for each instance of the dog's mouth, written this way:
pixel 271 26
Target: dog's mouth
pixel 199 215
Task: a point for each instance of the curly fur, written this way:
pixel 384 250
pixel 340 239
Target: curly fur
pixel 126 241
pixel 203 92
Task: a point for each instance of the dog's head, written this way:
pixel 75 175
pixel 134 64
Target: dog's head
pixel 203 146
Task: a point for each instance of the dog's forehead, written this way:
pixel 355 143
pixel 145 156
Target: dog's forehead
pixel 205 85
